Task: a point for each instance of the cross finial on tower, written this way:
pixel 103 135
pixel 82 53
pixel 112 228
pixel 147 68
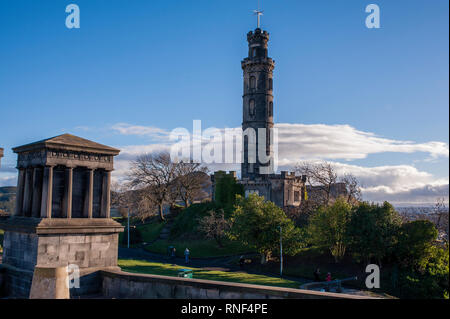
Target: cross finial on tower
pixel 259 13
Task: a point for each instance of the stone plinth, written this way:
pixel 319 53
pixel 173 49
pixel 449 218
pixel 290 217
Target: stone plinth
pixel 50 283
pixel 91 244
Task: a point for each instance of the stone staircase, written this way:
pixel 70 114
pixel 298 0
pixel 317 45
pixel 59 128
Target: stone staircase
pixel 165 232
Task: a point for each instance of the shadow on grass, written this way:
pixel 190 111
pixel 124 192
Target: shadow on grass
pixel 139 266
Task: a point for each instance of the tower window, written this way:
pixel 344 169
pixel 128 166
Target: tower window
pixel 251 108
pixel 296 196
pixel 254 51
pixel 270 84
pixel 270 109
pixel 252 82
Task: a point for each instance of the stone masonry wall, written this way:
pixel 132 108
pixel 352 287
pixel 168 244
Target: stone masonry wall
pixel 23 251
pixel 20 250
pixel 84 250
pixel 117 284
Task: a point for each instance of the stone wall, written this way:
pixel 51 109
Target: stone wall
pixel 118 284
pixel 20 250
pixel 23 251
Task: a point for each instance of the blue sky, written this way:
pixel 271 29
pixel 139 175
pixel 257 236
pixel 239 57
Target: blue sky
pixel 161 64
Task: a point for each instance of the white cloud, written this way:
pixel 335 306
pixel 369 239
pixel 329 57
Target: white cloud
pixel 8 180
pixel 397 183
pixel 147 131
pixel 343 142
pixel 337 143
pixel 318 141
pixel 427 194
pixel 300 142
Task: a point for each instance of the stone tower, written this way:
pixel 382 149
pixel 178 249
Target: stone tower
pixel 257 168
pixel 257 107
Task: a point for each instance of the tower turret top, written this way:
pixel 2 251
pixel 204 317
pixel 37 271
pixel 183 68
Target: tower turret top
pixel 258 36
pixel 258 44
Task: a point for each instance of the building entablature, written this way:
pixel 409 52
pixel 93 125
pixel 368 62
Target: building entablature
pixel 55 157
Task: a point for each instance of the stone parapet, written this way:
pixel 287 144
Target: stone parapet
pixel 119 284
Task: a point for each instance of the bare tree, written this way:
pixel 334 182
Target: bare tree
pixel 134 202
pixel 191 180
pixel 353 188
pixel 214 225
pixel 325 185
pixel 321 177
pixel 442 217
pixel 154 174
pixel 144 206
pixel 120 197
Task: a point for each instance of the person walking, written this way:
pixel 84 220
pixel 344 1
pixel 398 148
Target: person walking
pixel 329 277
pixel 186 255
pixel 241 262
pixel 317 275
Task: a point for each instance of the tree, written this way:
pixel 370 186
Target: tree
pixel 133 202
pixel 430 282
pixel 121 197
pixel 191 181
pixel 154 174
pixel 214 225
pixel 226 189
pixel 256 223
pixel 442 213
pixel 373 231
pixel 415 241
pixel 353 188
pixel 328 227
pixel 325 185
pixel 321 177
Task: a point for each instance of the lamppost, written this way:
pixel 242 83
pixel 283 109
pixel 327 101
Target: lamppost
pixel 281 252
pixel 128 226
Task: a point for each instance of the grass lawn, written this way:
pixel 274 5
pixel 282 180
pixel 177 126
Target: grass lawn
pixel 149 232
pixel 145 267
pixel 199 248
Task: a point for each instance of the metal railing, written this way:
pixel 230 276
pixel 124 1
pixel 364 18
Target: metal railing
pixel 327 285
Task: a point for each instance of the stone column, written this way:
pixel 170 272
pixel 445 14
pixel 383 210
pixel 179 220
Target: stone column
pixel 89 195
pixel 19 196
pixel 37 192
pixel 27 193
pixel 106 195
pixel 47 190
pixel 67 208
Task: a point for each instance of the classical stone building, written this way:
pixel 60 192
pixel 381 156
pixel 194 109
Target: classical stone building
pixel 62 212
pixel 257 174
